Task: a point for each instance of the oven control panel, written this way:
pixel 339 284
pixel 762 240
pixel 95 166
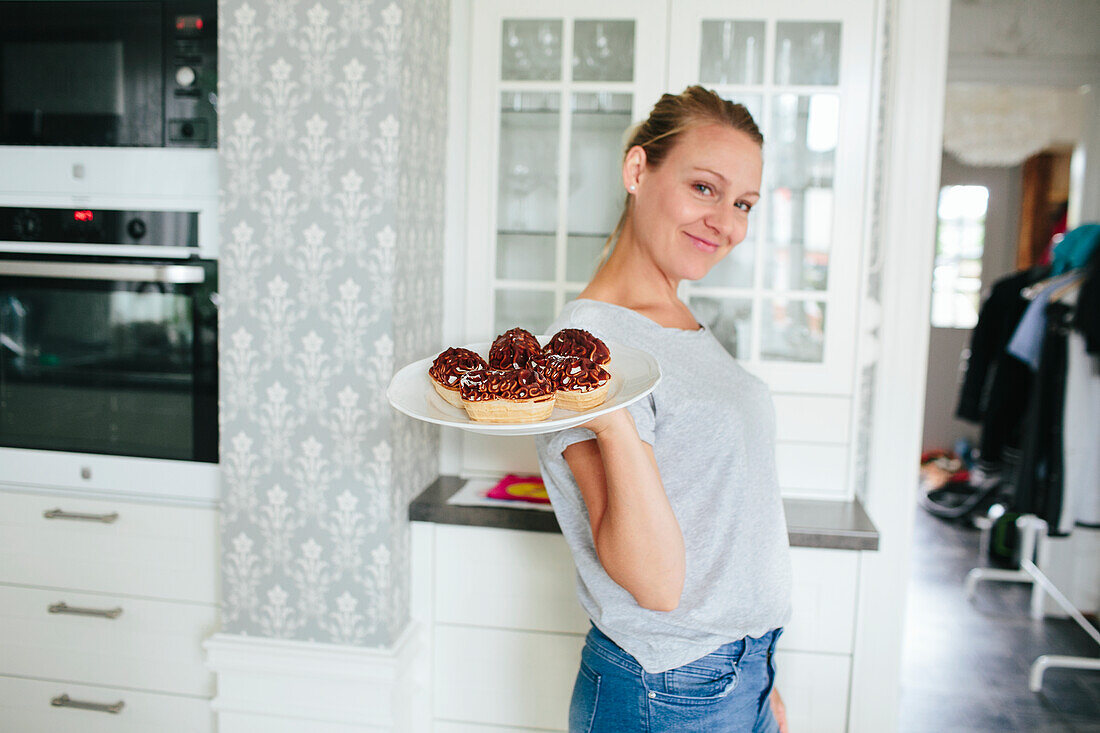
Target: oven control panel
pixel 99 226
pixel 190 73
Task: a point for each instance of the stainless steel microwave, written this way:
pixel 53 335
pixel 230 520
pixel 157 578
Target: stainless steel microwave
pixel 108 73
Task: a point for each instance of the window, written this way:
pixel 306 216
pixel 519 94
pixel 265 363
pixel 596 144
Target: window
pixel 960 241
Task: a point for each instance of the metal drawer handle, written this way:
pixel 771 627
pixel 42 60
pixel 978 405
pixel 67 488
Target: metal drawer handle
pixel 58 514
pixel 64 701
pixel 63 607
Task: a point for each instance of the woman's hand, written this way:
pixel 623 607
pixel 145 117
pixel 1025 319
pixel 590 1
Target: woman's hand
pixel 779 710
pixel 612 421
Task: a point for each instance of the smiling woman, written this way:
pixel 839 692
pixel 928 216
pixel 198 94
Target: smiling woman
pixel 678 533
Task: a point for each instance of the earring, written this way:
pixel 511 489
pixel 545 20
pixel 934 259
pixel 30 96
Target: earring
pixel 632 187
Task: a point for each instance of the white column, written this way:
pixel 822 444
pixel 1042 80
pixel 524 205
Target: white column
pixel 914 127
pixel 1085 183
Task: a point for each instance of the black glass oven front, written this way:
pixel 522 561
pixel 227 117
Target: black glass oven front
pixel 109 357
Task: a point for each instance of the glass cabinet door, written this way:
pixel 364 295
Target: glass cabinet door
pixel 552 94
pixel 784 301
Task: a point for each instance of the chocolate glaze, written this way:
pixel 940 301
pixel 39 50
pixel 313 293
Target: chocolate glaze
pixel 504 384
pixel 575 373
pixel 513 349
pixel 449 366
pixel 578 342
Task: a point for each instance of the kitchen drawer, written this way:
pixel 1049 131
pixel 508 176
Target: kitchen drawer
pixel 502 677
pixel 823 600
pixel 523 580
pixel 815 690
pixel 150 645
pixel 25 707
pixel 149 550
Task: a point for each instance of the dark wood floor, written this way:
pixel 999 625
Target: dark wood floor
pixel 965 664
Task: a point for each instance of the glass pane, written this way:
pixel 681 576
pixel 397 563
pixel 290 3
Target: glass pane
pixel 528 192
pixel 801 229
pixel 960 240
pixel 729 319
pixel 525 256
pixel 792 330
pixel 735 269
pixel 732 52
pixel 603 50
pixel 582 255
pixel 530 309
pixel 807 53
pixel 531 49
pixel 800 149
pixel 596 192
pixel 99 370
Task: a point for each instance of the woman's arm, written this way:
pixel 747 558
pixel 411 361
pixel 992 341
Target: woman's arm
pixel 637 537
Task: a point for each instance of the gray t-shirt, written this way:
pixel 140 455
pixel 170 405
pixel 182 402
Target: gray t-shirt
pixel 712 428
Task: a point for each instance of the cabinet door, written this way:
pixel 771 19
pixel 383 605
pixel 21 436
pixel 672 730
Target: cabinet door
pixel 785 301
pixel 147 550
pixel 815 690
pixel 28 706
pixel 552 90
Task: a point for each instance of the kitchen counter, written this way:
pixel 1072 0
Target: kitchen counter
pixel 835 525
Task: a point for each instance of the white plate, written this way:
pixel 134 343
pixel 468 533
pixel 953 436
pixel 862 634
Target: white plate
pixel 634 374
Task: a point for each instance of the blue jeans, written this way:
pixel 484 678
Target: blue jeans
pixel 723 692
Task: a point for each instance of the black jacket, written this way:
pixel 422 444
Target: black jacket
pixel 997 385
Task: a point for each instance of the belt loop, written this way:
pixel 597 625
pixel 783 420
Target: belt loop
pixel 775 634
pixel 744 643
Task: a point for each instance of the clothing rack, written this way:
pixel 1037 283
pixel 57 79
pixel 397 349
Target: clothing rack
pixel 1033 535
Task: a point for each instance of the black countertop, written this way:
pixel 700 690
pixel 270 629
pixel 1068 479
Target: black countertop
pixel 837 525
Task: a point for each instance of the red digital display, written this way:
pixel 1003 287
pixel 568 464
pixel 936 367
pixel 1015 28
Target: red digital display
pixel 188 23
pixel 82 215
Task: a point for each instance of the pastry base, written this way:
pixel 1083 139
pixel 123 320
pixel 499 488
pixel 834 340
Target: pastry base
pixel 580 401
pixel 451 395
pixel 510 411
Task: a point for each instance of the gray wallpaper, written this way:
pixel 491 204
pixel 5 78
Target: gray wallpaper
pixel 332 119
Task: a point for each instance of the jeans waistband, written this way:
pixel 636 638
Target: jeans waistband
pixel 736 650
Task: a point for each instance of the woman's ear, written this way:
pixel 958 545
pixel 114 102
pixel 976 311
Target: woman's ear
pixel 633 166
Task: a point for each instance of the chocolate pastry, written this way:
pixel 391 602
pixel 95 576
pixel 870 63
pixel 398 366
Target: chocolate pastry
pixel 578 342
pixel 579 383
pixel 506 395
pixel 513 349
pixel 447 370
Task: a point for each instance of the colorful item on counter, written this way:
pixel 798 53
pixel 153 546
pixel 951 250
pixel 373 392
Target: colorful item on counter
pixel 520 488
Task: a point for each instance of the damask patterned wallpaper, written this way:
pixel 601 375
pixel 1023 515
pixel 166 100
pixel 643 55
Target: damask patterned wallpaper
pixel 332 132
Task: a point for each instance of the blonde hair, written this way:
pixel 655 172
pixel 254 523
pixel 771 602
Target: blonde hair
pixel 670 117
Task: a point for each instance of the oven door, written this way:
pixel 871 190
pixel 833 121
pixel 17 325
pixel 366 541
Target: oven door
pixel 115 358
pixel 81 73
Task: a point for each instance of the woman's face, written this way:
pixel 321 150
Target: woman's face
pixel 693 209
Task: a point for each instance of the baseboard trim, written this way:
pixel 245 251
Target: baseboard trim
pixel 296 686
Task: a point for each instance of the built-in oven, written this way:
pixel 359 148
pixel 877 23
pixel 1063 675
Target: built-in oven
pixel 108 73
pixel 108 359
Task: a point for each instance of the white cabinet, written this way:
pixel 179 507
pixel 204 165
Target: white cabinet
pixel 552 91
pixel 105 601
pixel 551 95
pixel 505 630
